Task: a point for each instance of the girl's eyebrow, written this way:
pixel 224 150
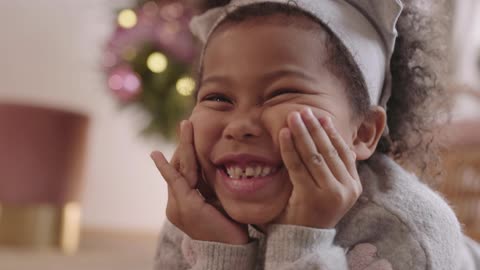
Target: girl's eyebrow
pixel 268 77
pixel 287 71
pixel 221 79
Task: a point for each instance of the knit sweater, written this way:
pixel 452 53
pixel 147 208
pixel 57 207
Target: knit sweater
pixel 410 225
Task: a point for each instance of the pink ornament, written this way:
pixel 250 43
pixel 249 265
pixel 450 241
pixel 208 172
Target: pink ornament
pixel 124 83
pixel 172 11
pixel 150 8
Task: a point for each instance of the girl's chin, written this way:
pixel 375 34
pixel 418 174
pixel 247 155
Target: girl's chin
pixel 252 214
pixel 251 220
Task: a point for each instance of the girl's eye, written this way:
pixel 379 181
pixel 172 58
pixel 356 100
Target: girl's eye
pixel 217 98
pixel 283 91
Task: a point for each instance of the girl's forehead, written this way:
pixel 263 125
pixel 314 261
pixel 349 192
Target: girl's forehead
pixel 264 44
pixel 297 22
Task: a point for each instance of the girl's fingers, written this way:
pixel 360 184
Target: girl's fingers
pixel 175 180
pixel 296 170
pixel 329 150
pixel 187 159
pixel 314 161
pixel 344 151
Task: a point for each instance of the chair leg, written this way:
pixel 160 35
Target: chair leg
pixel 70 227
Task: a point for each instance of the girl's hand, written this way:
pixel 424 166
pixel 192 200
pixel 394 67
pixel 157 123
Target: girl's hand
pixel 322 169
pixel 186 207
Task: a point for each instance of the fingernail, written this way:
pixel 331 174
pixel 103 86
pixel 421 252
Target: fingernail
pixel 296 117
pixel 323 121
pixel 153 154
pixel 326 121
pixel 307 112
pixel 182 125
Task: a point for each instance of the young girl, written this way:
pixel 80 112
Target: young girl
pixel 284 162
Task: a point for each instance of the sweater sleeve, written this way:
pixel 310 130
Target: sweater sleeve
pixel 177 251
pixel 291 247
pixel 169 252
pixel 204 255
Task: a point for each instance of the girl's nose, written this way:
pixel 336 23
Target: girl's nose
pixel 243 128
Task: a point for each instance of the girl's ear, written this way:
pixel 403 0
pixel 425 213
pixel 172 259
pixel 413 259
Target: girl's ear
pixel 369 133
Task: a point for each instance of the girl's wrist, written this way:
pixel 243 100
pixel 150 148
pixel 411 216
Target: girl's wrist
pixel 313 224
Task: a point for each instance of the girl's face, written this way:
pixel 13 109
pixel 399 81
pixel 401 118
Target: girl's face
pixel 254 74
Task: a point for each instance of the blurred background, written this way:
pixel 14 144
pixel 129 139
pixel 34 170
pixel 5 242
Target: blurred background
pixel 77 187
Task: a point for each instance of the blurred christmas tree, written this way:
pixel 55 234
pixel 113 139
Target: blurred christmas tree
pixel 148 62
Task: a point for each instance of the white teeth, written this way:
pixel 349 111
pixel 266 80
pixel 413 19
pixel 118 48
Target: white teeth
pixel 258 170
pixel 266 171
pixel 250 171
pixel 238 172
pixel 230 171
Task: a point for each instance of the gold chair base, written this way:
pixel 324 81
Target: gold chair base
pixel 41 226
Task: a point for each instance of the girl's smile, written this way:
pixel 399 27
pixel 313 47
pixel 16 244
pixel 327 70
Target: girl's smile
pixel 247 176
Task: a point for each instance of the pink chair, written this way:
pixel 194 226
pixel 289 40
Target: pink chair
pixel 42 154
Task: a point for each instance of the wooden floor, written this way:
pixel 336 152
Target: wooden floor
pixel 98 251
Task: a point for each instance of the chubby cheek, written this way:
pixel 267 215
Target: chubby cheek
pixel 275 119
pixel 346 129
pixel 206 131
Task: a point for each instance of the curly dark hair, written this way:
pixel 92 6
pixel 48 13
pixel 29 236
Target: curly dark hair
pixel 419 101
pixel 418 67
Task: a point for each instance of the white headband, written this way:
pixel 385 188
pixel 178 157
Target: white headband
pixel 365 27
